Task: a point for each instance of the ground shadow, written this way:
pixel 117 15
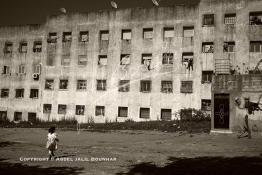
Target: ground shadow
pixel 5 144
pixel 201 166
pixel 18 168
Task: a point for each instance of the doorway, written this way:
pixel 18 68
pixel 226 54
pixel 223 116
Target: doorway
pixel 221 111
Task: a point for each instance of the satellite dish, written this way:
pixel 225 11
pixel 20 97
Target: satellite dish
pixel 62 10
pixel 156 2
pixel 113 4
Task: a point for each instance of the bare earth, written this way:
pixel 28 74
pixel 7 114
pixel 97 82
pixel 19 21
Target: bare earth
pixel 130 152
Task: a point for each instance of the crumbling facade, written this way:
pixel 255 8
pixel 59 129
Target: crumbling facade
pixel 139 64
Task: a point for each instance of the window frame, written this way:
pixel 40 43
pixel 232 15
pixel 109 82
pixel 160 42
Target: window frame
pixel 103 86
pixel 146 113
pixel 145 88
pixel 122 110
pixel 168 89
pixel 186 87
pixel 100 111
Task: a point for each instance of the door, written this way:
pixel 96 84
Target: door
pixel 221 111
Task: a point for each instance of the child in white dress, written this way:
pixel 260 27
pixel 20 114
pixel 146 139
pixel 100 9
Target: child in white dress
pixel 51 144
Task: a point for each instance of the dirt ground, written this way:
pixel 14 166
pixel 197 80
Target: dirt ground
pixel 129 152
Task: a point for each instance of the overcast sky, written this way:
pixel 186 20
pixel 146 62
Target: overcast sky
pixel 15 12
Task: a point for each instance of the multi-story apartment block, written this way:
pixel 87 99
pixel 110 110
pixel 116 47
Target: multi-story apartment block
pixel 139 64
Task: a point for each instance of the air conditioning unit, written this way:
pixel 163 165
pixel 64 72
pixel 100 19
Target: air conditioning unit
pixel 35 76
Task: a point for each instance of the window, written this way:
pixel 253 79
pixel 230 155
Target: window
pixel 255 46
pixel 122 111
pixel 148 33
pixel 145 86
pixel 49 84
pixel 255 18
pixel 47 108
pixel 37 46
pixel 186 87
pixel 124 86
pixel 81 84
pixel 17 116
pixel 104 35
pixel 166 86
pixel 126 34
pixel 146 59
pixel 83 36
pixel 8 47
pixel 31 117
pixel 124 59
pixel 208 47
pixel 101 85
pixel 61 109
pixel 188 60
pixel 67 36
pixel 65 60
pixel 207 76
pixel 21 69
pixel 100 111
pixel 209 20
pixel 3 116
pixel 6 70
pixel 188 31
pixel 82 60
pixel 23 47
pixel 19 93
pixel 167 58
pixel 37 68
pixel 102 60
pixel 205 105
pixel 145 113
pixel 4 93
pixel 34 93
pixel 52 38
pixel 166 114
pixel 169 32
pixel 229 46
pixel 230 19
pixel 63 84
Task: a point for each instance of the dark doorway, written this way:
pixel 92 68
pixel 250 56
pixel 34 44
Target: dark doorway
pixel 221 111
pixel 3 115
pixel 32 117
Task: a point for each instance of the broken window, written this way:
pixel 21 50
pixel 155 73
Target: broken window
pixel 61 109
pixel 67 36
pixel 6 70
pixel 49 84
pixel 23 47
pixel 31 117
pixel 17 116
pixel 47 108
pixel 188 31
pixel 19 93
pixel 8 47
pixel 34 93
pixel 82 60
pixel 126 34
pixel 188 60
pixel 205 105
pixel 37 46
pixel 144 113
pixel 255 18
pixel 186 87
pixel 3 116
pixel 100 111
pixel 166 114
pixel 52 37
pixel 4 93
pixel 102 60
pixel 167 58
pixel 101 85
pixel 169 32
pixel 81 84
pixel 229 46
pixel 207 76
pixel 63 85
pixel 148 33
pixel 21 69
pixel 124 59
pixel 124 86
pixel 230 19
pixel 122 111
pixel 207 47
pixel 166 86
pixel 146 60
pixel 104 35
pixel 65 60
pixel 145 85
pixel 255 46
pixel 83 36
pixel 208 20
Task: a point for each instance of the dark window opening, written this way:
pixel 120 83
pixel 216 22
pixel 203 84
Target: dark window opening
pixel 23 47
pixel 145 86
pixel 81 84
pixel 144 113
pixel 34 93
pixel 255 46
pixel 52 37
pixel 49 84
pixel 124 59
pixel 124 86
pixel 63 84
pixel 255 18
pixel 37 46
pixel 61 109
pixel 208 47
pixel 8 47
pixel 166 86
pixel 188 60
pixel 209 20
pixel 166 114
pixel 167 58
pixel 186 87
pixel 4 93
pixel 19 93
pixel 207 76
pixel 17 116
pixel 205 105
pixel 3 116
pixel 100 111
pixel 229 47
pixel 122 111
pixel 6 70
pixel 83 36
pixel 101 85
pixel 32 117
pixel 67 36
pixel 47 108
